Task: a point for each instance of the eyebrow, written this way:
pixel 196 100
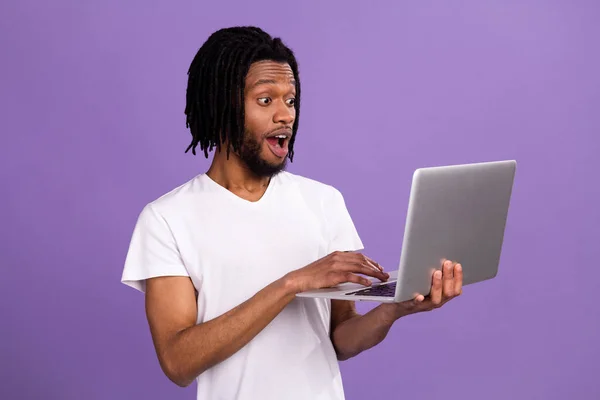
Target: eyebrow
pixel 270 82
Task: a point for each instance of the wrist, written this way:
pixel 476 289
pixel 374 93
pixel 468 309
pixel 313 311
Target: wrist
pixel 290 285
pixel 390 312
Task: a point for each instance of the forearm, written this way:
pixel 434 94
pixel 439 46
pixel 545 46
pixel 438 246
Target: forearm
pixel 361 332
pixel 196 349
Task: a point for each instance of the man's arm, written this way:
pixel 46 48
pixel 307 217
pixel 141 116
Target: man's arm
pixel 186 349
pixel 352 333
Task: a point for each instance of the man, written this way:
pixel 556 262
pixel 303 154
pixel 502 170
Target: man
pixel 221 257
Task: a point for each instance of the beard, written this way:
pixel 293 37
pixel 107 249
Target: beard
pixel 250 155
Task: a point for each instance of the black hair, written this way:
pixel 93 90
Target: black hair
pixel 216 79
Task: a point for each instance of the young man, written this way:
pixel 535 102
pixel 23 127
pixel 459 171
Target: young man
pixel 221 257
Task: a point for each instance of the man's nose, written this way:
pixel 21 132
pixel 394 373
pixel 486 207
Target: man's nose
pixel 284 115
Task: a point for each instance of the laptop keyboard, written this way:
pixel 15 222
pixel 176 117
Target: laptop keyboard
pixel 383 290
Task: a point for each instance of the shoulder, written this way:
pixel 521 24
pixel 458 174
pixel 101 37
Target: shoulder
pixel 179 198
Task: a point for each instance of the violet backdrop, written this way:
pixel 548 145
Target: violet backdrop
pixel 91 104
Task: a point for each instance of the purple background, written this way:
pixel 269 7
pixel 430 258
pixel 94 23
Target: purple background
pixel 91 102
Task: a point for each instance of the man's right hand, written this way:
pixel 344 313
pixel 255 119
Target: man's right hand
pixel 186 348
pixel 335 268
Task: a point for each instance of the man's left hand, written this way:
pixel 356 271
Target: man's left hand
pixel 446 285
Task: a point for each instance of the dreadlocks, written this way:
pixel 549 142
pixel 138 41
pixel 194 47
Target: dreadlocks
pixel 216 79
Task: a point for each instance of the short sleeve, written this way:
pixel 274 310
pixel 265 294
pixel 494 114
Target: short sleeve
pixel 152 251
pixel 343 234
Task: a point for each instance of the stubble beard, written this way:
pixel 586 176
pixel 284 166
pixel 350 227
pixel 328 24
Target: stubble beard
pixel 250 155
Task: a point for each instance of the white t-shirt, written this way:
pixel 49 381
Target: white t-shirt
pixel 232 248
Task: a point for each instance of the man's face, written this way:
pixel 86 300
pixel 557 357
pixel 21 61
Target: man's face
pixel 269 93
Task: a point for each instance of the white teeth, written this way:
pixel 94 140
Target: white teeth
pixel 281 137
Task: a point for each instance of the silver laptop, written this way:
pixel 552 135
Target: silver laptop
pixel 455 212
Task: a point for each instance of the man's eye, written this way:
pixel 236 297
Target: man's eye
pixel 291 102
pixel 264 101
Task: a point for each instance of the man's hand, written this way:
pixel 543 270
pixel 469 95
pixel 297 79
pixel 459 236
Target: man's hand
pixel 333 269
pixel 353 333
pixel 446 285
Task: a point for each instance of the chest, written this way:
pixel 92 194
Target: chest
pixel 233 252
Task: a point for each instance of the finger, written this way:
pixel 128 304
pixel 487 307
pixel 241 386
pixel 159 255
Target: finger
pixel 362 267
pixel 368 261
pixel 374 263
pixel 384 275
pixel 436 288
pixel 367 269
pixel 350 277
pixel 414 305
pixel 415 301
pixel 458 279
pixel 448 279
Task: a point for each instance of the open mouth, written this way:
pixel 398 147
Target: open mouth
pixel 273 141
pixel 277 140
pixel 278 145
